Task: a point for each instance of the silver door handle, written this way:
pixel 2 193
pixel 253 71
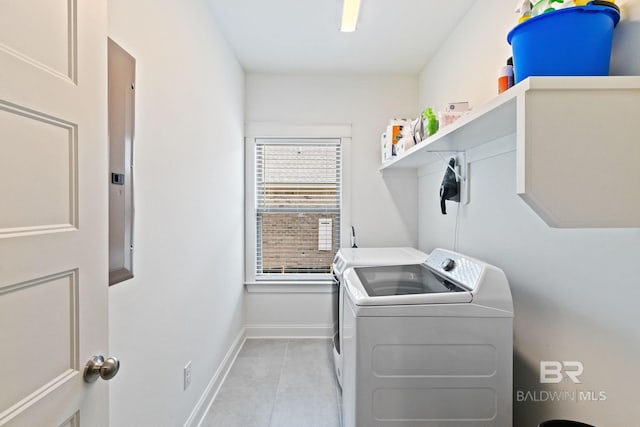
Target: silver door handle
pixel 98 367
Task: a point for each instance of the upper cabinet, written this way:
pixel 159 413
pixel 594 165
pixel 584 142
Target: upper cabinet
pixel 577 142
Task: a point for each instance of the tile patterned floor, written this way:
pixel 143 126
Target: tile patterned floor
pixel 279 383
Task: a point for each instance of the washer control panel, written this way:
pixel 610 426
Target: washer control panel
pixel 456 267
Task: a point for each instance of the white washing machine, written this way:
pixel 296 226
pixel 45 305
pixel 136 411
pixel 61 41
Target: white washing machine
pixel 428 345
pixel 351 257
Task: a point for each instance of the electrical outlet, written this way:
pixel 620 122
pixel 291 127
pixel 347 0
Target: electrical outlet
pixel 187 375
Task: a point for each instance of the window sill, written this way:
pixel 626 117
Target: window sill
pixel 291 287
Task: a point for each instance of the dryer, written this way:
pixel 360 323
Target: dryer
pixel 350 257
pixel 427 345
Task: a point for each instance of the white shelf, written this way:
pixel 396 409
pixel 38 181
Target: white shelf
pixel 486 123
pixel 578 146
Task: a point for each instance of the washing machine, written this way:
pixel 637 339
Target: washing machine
pixel 350 257
pixel 427 345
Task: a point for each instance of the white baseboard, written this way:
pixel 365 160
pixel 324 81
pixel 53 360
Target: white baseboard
pixel 288 331
pixel 210 392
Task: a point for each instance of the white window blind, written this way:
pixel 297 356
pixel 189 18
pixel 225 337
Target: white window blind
pixel 298 188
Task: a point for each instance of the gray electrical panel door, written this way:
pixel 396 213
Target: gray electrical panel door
pixel 122 69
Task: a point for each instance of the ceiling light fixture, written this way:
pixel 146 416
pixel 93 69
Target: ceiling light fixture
pixel 350 10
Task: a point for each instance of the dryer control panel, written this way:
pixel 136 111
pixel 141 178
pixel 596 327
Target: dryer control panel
pixel 462 270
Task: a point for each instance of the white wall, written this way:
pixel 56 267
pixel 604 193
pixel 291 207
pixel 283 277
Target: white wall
pixel 185 302
pixel 383 209
pixel 574 290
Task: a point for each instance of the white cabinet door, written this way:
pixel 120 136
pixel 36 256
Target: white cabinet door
pixel 53 211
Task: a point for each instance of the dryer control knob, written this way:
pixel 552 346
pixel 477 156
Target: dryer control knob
pixel 448 264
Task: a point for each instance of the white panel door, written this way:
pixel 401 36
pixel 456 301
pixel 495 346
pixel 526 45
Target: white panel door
pixel 53 211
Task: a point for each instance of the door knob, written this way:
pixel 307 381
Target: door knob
pixel 98 367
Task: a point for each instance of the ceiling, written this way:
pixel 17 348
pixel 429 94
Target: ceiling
pixel 303 36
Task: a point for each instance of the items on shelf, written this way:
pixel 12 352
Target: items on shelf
pixel 391 137
pixel 402 134
pixel 592 25
pixel 431 121
pixel 523 9
pixel 452 112
pixel 544 6
pixel 505 76
pixel 411 135
pixel 527 9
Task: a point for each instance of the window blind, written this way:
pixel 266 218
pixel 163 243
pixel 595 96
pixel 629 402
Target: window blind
pixel 298 190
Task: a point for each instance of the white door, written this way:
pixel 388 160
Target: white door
pixel 53 211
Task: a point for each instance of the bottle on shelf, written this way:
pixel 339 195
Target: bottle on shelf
pixel 505 76
pixel 431 121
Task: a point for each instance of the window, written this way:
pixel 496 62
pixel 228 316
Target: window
pixel 297 199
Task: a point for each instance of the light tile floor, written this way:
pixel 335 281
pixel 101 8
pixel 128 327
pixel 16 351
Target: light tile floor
pixel 279 383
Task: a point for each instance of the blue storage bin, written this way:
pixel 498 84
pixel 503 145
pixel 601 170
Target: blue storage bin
pixel 575 41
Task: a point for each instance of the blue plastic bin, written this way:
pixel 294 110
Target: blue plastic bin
pixel 575 41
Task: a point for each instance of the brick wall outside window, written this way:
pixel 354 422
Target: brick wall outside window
pixel 298 233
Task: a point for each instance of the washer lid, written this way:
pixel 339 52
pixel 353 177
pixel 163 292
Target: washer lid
pixel 401 285
pixel 351 257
